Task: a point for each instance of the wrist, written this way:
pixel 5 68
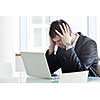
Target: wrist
pixel 68 47
pixel 51 50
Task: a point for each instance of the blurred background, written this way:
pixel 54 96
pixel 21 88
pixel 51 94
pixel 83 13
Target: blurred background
pixel 30 33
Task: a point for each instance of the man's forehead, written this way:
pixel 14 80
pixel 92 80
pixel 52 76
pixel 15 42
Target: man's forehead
pixel 56 37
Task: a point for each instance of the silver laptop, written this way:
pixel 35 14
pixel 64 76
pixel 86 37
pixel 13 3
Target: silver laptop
pixel 36 65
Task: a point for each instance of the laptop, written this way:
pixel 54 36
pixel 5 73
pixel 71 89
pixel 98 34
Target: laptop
pixel 36 65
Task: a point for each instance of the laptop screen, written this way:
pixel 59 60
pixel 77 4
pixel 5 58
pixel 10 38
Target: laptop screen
pixel 36 64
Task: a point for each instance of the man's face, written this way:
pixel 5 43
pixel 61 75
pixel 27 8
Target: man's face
pixel 57 40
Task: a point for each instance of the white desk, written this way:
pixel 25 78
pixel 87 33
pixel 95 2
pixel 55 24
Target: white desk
pixel 21 77
pixel 94 79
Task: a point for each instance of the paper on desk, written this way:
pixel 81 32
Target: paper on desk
pixel 74 77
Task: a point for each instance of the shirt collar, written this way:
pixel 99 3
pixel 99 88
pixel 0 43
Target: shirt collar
pixel 77 36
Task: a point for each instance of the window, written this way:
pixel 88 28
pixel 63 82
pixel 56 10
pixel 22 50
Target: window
pixel 37 33
pixel 34 30
pixel 98 34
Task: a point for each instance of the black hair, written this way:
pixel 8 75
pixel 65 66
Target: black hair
pixel 55 26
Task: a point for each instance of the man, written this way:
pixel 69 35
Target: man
pixel 75 52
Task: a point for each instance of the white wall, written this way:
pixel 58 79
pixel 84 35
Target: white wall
pixel 9 31
pixel 92 27
pixel 98 34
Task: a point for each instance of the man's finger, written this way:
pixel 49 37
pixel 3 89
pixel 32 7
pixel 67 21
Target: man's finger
pixel 65 28
pixel 62 29
pixel 58 33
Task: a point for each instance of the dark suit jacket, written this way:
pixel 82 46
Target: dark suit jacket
pixel 82 57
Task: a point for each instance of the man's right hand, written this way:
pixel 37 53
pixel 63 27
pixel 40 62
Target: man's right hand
pixel 51 47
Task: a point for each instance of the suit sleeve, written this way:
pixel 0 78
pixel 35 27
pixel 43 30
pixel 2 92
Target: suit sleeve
pixel 53 64
pixel 87 59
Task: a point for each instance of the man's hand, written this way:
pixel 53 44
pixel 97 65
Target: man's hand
pixel 66 38
pixel 51 47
